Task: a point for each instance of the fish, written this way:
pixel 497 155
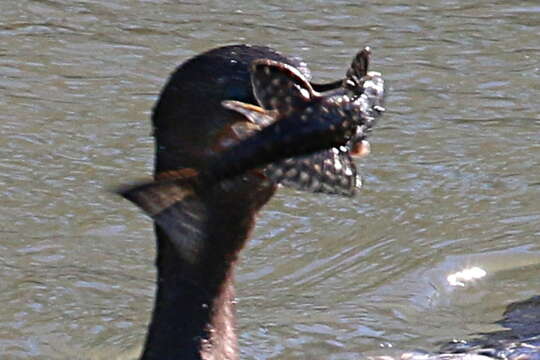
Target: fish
pixel 295 136
pixel 355 105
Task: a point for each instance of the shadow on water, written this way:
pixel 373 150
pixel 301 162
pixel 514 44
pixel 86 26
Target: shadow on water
pixel 521 340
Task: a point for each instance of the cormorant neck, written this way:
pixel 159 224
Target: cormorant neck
pixel 193 315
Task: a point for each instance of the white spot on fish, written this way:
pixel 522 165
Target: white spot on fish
pixel 278 172
pixel 304 93
pixel 291 173
pixel 315 185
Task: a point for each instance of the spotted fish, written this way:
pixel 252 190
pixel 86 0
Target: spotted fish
pixel 353 105
pixel 298 136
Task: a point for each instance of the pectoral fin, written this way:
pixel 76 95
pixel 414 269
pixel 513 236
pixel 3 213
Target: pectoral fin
pixel 329 171
pixel 279 86
pixel 254 114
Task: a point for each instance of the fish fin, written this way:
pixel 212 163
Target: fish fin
pixel 329 171
pixel 279 86
pixel 358 69
pixel 243 130
pixel 254 114
pixel 360 64
pixel 173 205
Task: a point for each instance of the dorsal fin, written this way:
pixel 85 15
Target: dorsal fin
pixel 279 86
pixel 360 63
pixel 358 69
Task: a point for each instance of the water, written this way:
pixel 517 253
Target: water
pixel 453 180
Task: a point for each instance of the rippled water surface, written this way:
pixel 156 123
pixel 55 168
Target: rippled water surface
pixel 453 180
